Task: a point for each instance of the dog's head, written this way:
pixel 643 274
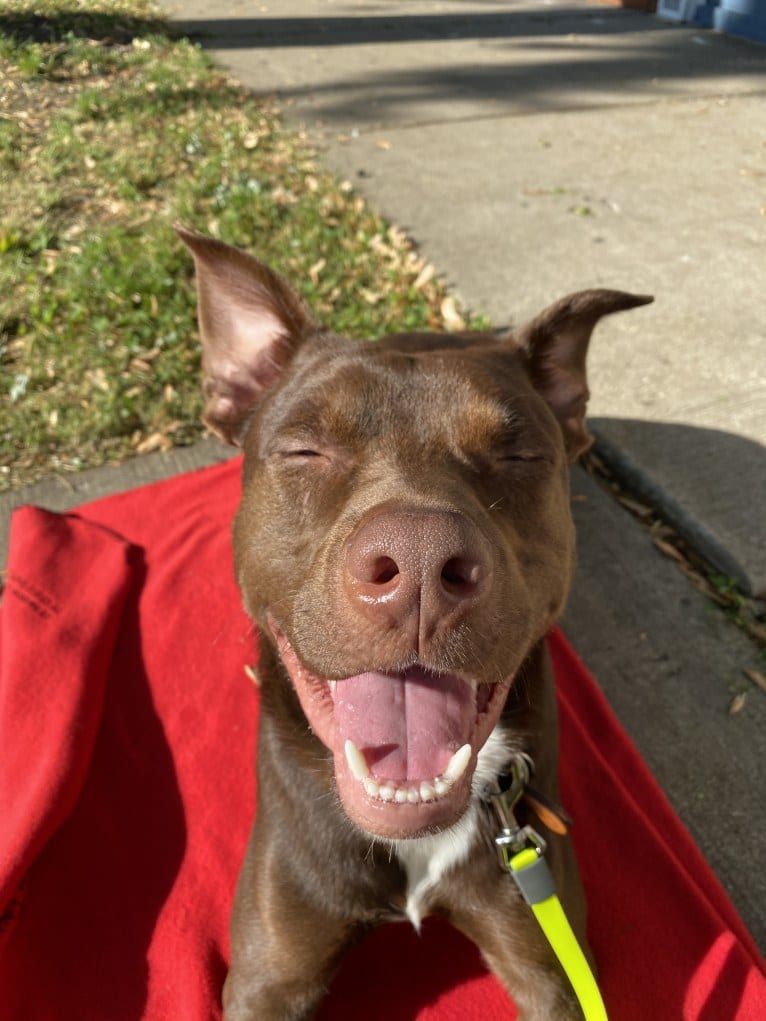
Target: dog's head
pixel 404 536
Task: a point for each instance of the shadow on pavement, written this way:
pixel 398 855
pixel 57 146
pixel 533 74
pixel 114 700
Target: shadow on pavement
pixel 355 30
pixel 708 484
pixel 539 60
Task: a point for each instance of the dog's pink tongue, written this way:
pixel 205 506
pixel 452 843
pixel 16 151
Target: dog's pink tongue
pixel 407 725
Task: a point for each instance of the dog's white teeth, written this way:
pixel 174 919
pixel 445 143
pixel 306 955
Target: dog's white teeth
pixel 371 787
pixel 425 790
pixel 356 762
pixel 457 764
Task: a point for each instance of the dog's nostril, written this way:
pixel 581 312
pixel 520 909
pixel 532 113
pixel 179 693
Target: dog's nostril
pixel 383 571
pixel 460 575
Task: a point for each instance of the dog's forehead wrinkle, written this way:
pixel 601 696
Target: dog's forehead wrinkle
pixel 434 407
pixel 427 406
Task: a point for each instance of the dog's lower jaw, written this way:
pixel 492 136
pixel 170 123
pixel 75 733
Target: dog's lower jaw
pixel 293 919
pixel 426 859
pixel 419 736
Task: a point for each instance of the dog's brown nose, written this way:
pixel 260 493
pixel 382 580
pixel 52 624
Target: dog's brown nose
pixel 414 568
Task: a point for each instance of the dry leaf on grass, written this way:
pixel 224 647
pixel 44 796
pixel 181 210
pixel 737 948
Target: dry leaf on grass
pixel 424 276
pixel 453 321
pixel 315 270
pixel 155 441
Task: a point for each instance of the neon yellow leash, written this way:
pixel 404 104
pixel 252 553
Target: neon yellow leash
pixel 554 923
pixel 521 850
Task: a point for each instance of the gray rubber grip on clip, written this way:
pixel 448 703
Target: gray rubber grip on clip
pixel 535 882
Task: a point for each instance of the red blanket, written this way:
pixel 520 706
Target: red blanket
pixel 127 729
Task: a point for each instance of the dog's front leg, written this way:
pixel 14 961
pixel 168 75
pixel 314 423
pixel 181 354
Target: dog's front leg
pixel 506 932
pixel 284 948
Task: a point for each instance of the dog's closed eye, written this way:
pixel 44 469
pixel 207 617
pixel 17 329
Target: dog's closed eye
pixel 300 452
pixel 523 456
pixel 311 457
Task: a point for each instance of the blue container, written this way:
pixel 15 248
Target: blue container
pixel 746 18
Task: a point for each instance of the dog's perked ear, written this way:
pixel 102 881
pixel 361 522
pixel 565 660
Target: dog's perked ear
pixel 556 345
pixel 251 322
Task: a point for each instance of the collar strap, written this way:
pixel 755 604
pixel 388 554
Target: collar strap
pixel 520 850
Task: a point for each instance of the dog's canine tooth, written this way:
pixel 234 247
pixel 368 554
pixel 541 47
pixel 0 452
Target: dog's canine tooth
pixel 356 761
pixel 440 786
pixel 457 764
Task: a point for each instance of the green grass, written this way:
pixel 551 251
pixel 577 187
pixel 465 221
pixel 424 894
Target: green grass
pixel 111 130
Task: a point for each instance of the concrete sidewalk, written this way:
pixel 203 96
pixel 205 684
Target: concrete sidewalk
pixel 532 149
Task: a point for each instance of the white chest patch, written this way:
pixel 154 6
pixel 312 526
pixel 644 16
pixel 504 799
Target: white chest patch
pixel 427 859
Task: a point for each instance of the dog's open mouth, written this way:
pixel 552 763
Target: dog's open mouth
pixel 404 744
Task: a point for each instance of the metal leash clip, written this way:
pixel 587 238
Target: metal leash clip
pixel 504 797
pixel 521 852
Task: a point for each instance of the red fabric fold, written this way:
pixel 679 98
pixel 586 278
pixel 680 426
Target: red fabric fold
pixel 128 730
pixel 54 659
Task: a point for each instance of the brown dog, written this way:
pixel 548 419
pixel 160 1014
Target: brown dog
pixel 404 543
